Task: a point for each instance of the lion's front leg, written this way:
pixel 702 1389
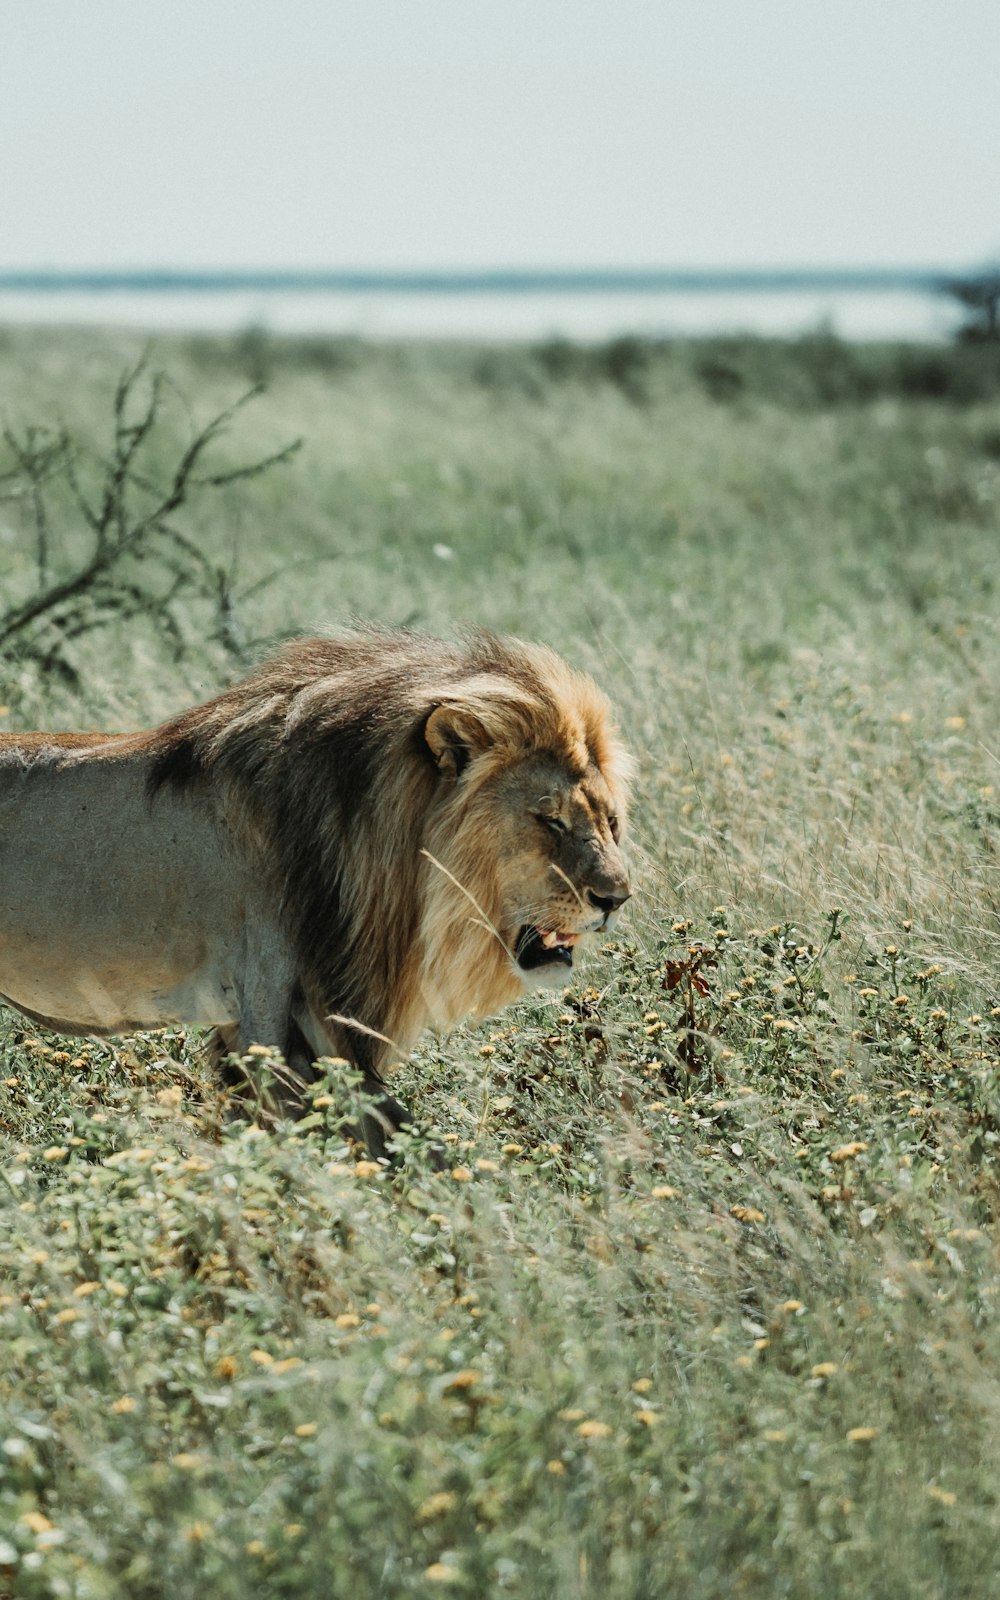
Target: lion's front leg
pixel 388 1116
pixel 228 1045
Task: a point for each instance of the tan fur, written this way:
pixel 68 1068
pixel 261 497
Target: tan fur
pixel 328 857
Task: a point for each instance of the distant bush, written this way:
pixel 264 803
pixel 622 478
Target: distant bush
pixel 261 354
pixel 821 369
pixel 979 294
pixel 817 370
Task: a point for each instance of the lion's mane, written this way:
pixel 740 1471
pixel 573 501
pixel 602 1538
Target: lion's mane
pixel 388 881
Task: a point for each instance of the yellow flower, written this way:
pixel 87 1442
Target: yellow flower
pixel 436 1505
pixel 944 1497
pixel 462 1380
pixel 305 1430
pixel 226 1367
pixel 663 1191
pixel 792 1306
pixel 263 1358
pixel 649 1419
pixel 862 1435
pixel 124 1405
pixel 294 1529
pixel 348 1319
pixel 592 1429
pixel 196 1531
pixel 823 1369
pixel 484 1165
pixel 437 1572
pixel 287 1364
pixel 556 1468
pixel 366 1169
pixel 847 1152
pixel 36 1522
pixel 55 1152
pixel 460 1175
pixel 642 1385
pixel 186 1461
pixel 69 1315
pixel 139 1154
pixel 747 1213
pixel 83 1289
pixel 774 1435
pixel 571 1414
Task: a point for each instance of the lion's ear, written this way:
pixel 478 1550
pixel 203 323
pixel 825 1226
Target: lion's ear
pixel 454 735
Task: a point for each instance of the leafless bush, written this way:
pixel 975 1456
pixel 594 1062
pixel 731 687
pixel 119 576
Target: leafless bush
pixel 138 559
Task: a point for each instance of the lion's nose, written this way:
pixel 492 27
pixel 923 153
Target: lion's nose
pixel 607 902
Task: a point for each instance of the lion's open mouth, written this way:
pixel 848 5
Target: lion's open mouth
pixel 543 947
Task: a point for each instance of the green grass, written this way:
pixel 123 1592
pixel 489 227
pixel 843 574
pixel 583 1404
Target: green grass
pixel 706 1303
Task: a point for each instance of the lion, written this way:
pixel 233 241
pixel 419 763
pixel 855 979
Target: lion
pixel 374 833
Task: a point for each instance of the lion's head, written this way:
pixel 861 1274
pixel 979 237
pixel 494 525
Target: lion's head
pixel 524 837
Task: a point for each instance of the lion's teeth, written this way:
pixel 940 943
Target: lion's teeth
pixel 550 939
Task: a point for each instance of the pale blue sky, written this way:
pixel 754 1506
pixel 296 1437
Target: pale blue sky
pixel 481 132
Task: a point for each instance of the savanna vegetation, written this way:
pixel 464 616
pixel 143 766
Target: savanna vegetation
pixel 706 1300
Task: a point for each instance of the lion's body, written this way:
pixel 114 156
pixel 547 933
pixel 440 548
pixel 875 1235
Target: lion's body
pixel 151 912
pixel 331 855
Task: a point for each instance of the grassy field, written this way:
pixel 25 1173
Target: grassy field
pixel 707 1302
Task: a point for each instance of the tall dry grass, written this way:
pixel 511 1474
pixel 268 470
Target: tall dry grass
pixel 705 1301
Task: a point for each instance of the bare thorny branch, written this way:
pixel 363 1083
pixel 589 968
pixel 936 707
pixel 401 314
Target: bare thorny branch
pixel 138 562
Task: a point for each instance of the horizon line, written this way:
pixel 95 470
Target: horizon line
pixel 490 280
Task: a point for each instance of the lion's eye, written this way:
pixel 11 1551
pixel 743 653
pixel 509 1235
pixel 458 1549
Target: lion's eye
pixel 615 827
pixel 554 824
